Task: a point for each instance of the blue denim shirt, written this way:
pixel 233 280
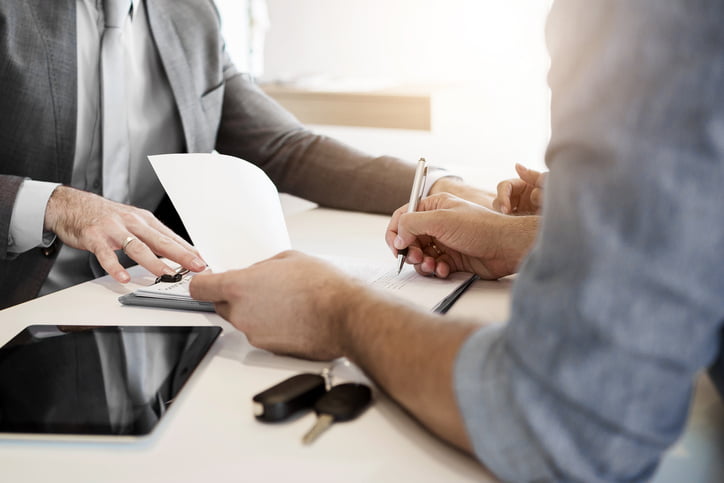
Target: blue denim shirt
pixel 621 301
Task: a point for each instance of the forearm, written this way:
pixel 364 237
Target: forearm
pixel 518 236
pixel 411 355
pixel 456 186
pixel 300 162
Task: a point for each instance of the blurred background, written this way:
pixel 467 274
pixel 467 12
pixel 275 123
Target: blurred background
pixel 460 82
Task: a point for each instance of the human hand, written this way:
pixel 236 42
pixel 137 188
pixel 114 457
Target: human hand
pixel 89 222
pixel 521 196
pixel 448 234
pixel 288 304
pixel 456 186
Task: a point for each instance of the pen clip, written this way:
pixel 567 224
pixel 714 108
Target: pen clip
pixel 422 185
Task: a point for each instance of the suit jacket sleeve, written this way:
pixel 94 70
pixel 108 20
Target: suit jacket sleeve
pixel 9 186
pixel 254 127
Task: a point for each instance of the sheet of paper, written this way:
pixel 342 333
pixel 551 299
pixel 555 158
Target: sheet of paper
pixel 230 207
pixel 408 285
pixel 168 290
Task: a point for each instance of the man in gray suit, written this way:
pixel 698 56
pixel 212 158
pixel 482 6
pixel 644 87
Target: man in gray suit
pixel 182 93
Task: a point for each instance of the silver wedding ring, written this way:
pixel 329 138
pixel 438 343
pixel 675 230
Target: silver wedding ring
pixel 127 242
pixel 438 252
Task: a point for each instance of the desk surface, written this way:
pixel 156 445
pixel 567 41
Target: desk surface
pixel 210 434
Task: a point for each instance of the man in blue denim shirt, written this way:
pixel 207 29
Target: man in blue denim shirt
pixel 617 307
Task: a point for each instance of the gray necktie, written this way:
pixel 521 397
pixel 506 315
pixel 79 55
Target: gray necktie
pixel 115 122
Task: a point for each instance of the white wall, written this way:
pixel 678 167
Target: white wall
pixel 489 57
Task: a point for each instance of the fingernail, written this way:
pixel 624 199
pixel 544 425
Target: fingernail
pixel 169 271
pixel 198 264
pixel 123 277
pixel 399 244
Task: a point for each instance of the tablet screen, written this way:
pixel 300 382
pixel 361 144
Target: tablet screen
pixel 100 380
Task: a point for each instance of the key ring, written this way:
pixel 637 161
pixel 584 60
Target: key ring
pixel 338 365
pixel 176 277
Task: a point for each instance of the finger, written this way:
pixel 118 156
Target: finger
pixel 208 287
pixel 138 251
pixel 442 269
pixel 518 188
pixel 509 194
pixel 414 255
pixel 426 267
pixel 109 261
pixel 156 224
pixel 165 245
pixel 391 232
pixel 536 197
pixel 530 176
pixel 502 200
pixel 437 263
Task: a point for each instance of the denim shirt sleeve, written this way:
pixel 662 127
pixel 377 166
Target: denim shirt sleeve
pixel 621 301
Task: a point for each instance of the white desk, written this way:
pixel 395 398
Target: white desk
pixel 210 434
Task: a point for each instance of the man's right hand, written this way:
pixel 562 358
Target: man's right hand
pixel 89 222
pixel 448 234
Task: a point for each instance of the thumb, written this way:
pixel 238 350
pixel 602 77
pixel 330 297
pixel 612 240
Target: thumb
pixel 530 176
pixel 207 286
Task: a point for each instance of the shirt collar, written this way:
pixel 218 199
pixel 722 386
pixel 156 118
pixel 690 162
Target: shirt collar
pixel 98 5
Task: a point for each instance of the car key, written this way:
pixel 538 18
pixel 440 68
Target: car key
pixel 288 397
pixel 343 402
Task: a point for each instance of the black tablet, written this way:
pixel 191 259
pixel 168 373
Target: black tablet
pixel 98 380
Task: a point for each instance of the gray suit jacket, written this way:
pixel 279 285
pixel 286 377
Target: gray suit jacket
pixel 219 109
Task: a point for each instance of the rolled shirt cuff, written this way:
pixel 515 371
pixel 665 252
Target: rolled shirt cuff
pixel 495 422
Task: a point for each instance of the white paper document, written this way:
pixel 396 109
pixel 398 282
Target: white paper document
pixel 425 292
pixel 167 290
pixel 229 206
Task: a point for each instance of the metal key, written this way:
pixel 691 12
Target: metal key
pixel 341 403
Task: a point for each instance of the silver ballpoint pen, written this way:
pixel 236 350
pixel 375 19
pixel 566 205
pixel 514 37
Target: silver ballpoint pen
pixel 418 184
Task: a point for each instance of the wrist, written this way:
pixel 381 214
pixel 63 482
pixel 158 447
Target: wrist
pixel 447 184
pixel 518 235
pixel 56 205
pixel 456 186
pixel 353 304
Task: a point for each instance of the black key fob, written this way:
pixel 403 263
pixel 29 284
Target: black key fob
pixel 288 397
